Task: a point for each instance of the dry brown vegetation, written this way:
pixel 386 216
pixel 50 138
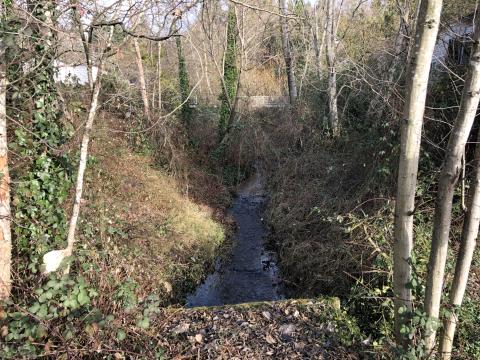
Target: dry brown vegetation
pixel 147 223
pixel 313 183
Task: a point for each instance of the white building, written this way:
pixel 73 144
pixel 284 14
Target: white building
pixel 452 43
pixel 73 74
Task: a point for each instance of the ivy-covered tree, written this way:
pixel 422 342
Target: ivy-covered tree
pixel 230 76
pixel 43 181
pixel 184 84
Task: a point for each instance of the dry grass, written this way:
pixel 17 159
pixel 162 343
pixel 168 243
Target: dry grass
pixel 145 228
pixel 262 81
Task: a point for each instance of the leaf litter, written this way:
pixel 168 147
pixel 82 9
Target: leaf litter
pixel 291 329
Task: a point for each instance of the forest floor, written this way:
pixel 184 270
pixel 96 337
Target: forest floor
pixel 289 329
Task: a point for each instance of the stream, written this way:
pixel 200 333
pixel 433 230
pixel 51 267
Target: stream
pixel 250 273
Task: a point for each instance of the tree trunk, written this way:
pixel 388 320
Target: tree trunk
pixel 207 75
pixel 413 31
pixel 411 133
pixel 464 260
pixel 143 85
pixel 401 41
pixel 452 167
pixel 86 42
pixel 316 45
pixel 332 72
pixel 287 53
pixel 233 111
pixel 184 84
pixel 159 75
pixel 92 112
pixel 5 232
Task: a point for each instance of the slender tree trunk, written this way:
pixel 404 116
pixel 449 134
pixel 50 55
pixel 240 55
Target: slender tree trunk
pixel 452 167
pixel 332 72
pixel 464 260
pixel 231 76
pixel 413 31
pixel 233 111
pixel 143 85
pixel 84 150
pixel 159 75
pixel 401 41
pixel 184 84
pixel 411 132
pixel 207 74
pixel 316 45
pixel 287 52
pixel 154 98
pixel 86 42
pixel 5 232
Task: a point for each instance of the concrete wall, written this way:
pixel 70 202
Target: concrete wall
pixel 259 102
pixel 454 31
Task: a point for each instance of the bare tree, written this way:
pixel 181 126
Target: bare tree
pixel 5 231
pixel 141 78
pixel 451 169
pixel 86 38
pixel 332 72
pixel 159 75
pixel 287 52
pixel 396 65
pixel 464 260
pixel 53 259
pixel 411 132
pixel 318 45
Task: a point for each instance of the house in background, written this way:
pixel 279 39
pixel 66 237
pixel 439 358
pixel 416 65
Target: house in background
pixel 73 74
pixel 454 44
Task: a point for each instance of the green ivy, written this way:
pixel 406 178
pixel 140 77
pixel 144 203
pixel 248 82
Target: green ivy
pixel 184 85
pixel 42 183
pixel 230 74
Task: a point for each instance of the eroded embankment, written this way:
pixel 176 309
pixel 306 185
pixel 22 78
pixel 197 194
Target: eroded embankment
pixel 153 232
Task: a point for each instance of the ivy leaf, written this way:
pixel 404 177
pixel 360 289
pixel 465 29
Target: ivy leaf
pixel 121 335
pixel 70 303
pixel 83 297
pixel 34 308
pixel 143 323
pixel 43 312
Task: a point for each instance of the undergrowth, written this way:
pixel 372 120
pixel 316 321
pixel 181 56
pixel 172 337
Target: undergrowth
pixel 149 232
pixel 331 215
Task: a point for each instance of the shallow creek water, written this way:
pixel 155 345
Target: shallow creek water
pixel 250 273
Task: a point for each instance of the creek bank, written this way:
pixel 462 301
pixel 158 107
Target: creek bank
pixel 153 238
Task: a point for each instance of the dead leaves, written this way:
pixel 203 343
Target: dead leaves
pixel 180 329
pixel 286 331
pixel 270 339
pixel 279 330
